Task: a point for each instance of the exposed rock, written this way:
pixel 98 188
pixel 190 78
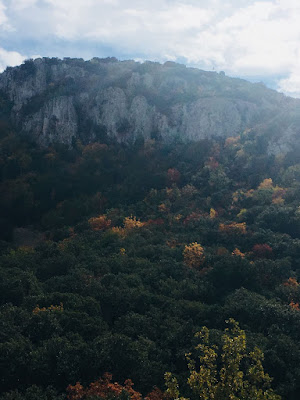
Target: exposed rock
pixel 58 100
pixel 56 121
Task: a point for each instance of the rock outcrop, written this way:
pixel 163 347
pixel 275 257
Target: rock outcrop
pixel 56 100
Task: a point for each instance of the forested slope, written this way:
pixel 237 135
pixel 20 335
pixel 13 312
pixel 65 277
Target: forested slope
pixel 114 256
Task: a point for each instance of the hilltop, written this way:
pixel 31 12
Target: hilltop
pixel 53 100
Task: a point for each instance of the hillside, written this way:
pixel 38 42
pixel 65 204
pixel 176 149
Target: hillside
pixel 127 223
pixel 55 100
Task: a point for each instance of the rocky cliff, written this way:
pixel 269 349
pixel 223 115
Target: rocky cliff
pixel 56 100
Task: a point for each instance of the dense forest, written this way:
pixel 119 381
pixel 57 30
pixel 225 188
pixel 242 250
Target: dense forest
pixel 113 256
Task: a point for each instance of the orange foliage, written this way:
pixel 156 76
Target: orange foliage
pixel 291 282
pixel 52 308
pixel 102 389
pixel 237 252
pixel 234 227
pixel 132 223
pixel 75 392
pixel 193 255
pixel 295 306
pixel 155 394
pixel 99 223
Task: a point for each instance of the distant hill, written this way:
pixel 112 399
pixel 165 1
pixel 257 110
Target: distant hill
pixel 55 100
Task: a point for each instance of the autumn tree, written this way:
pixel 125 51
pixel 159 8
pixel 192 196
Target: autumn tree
pixel 234 228
pixel 193 255
pixel 103 388
pixel 130 223
pixel 229 373
pixel 262 251
pixel 99 223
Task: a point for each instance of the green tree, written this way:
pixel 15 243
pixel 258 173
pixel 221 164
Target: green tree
pixel 235 374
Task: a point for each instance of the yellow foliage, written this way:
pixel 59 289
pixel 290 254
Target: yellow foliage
pixel 266 184
pixel 118 231
pixel 242 213
pixel 235 374
pixel 213 213
pixel 193 255
pixel 132 223
pixel 177 217
pixel 122 251
pixel 234 227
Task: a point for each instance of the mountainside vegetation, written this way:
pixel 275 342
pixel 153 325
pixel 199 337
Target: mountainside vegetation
pixel 114 255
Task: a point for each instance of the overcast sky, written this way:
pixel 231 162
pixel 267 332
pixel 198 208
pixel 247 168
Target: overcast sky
pixel 256 40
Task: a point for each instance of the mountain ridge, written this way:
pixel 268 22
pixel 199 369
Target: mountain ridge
pixel 55 100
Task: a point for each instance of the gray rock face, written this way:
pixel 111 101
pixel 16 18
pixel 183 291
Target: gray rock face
pixel 61 100
pixel 56 121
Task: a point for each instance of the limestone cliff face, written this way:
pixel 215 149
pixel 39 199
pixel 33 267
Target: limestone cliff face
pixel 61 100
pixel 56 121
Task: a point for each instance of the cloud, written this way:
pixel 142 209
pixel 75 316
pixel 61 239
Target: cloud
pixel 10 58
pixel 291 85
pixel 3 18
pixel 244 38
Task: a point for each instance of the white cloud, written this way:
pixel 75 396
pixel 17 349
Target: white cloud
pixel 242 37
pixel 291 85
pixel 10 58
pixel 4 25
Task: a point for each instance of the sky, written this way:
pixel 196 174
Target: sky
pixel 255 40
